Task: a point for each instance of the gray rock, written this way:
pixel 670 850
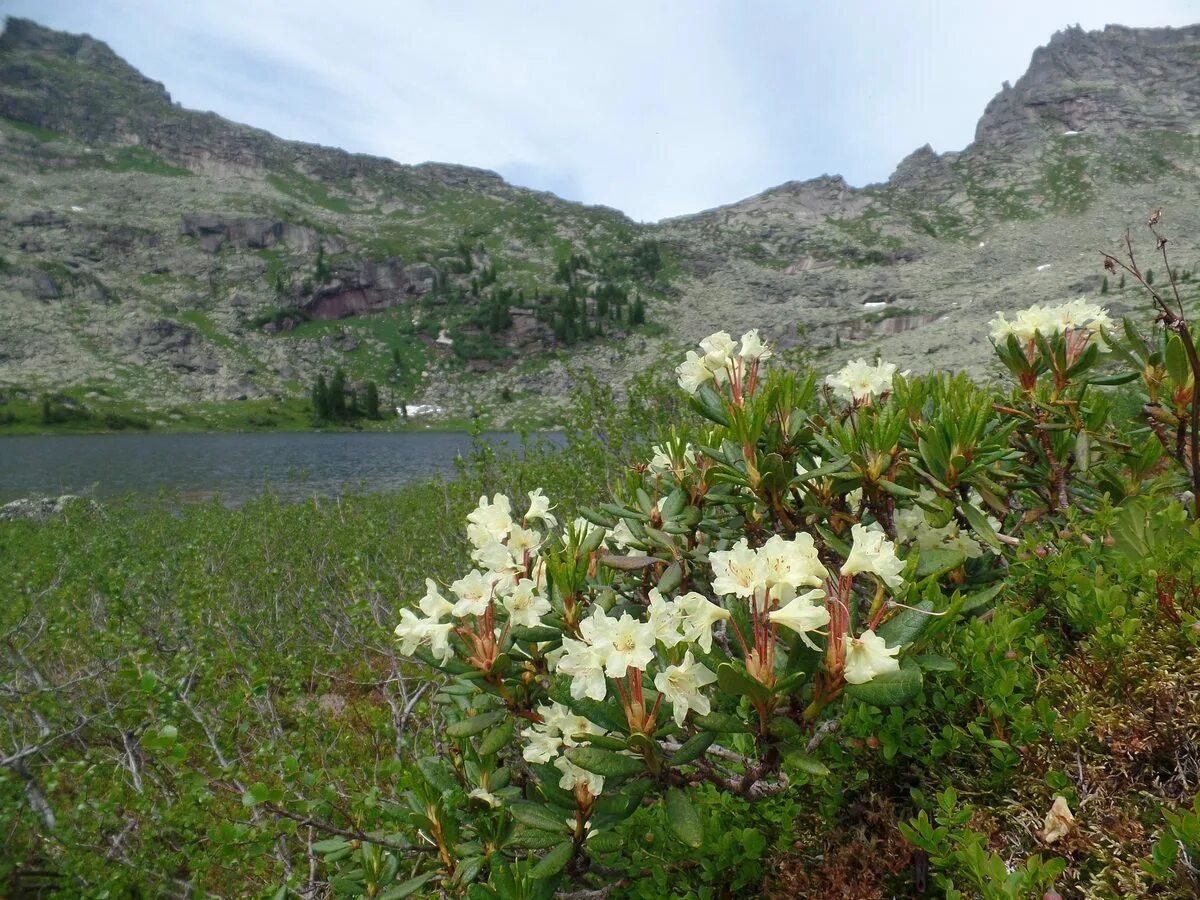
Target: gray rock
pixel 44 287
pixel 40 509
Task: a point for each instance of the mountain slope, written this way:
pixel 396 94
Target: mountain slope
pixel 172 256
pixel 1102 129
pixel 165 258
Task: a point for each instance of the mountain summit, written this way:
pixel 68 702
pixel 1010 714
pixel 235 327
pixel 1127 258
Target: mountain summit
pixel 156 256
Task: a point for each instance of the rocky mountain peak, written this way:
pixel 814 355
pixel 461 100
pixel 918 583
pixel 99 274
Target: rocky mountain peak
pixel 70 82
pixel 1106 82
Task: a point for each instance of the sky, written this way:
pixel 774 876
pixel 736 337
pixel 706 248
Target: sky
pixel 658 108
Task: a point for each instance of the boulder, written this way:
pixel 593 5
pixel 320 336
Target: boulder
pixel 39 509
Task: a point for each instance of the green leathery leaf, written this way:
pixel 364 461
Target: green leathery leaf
pixel 897 490
pixel 1083 448
pixel 671 578
pixel 475 724
pixel 937 562
pixel 605 842
pixel 723 723
pixel 798 759
pixel 605 762
pixel 736 681
pixel 553 862
pixel 1112 380
pixel 537 816
pixel 604 519
pixel 603 741
pixel 527 838
pixel 674 504
pixel 592 542
pixel 683 818
pixel 980 525
pixel 890 688
pixel 437 773
pixel 496 738
pixel 693 748
pixel 980 599
pixel 536 634
pixel 408 888
pixel 709 404
pixel 904 627
pixel 931 662
pixel 628 563
pixel 1176 360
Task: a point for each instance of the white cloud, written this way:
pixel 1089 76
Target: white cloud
pixel 655 108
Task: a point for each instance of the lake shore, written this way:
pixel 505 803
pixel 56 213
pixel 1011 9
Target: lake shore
pixel 237 467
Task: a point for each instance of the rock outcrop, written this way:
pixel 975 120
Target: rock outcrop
pixel 176 345
pixel 215 233
pixel 1116 81
pixel 369 287
pixel 40 509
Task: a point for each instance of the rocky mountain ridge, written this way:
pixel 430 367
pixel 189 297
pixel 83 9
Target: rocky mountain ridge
pixel 166 257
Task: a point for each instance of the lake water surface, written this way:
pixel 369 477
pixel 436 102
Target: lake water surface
pixel 233 466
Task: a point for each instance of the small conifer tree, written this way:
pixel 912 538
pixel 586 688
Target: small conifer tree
pixel 320 398
pixel 371 401
pixel 337 395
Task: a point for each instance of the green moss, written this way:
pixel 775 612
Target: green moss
pixel 1065 184
pixel 139 159
pixel 863 230
pixel 308 190
pixel 36 131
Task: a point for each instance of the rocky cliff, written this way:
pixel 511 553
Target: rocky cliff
pixel 163 256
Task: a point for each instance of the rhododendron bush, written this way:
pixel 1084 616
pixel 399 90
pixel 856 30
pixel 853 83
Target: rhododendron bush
pixel 797 552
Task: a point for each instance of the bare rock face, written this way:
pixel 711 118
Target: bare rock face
pixel 177 346
pixel 215 233
pixel 369 287
pixel 1114 81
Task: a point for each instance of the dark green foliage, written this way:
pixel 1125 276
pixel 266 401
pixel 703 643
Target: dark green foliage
pixel 646 260
pixel 320 399
pixel 321 268
pixel 637 312
pixel 278 316
pixel 57 409
pixel 371 401
pixel 337 395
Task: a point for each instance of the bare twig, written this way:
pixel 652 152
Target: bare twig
pixel 352 834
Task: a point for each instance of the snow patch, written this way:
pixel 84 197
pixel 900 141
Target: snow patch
pixel 421 409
